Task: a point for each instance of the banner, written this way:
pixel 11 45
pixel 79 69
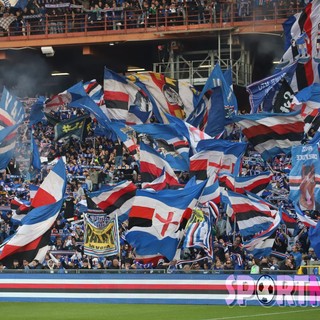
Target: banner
pixel 76 127
pixel 101 235
pixel 304 179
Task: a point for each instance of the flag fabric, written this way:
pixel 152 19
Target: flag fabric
pixel 38 222
pixel 161 183
pixel 95 91
pixel 165 92
pixel 306 220
pixel 191 133
pixel 36 111
pixel 282 99
pixel 260 89
pixel 261 244
pixel 211 192
pixel 117 198
pixel 222 155
pixel 156 219
pixel 304 177
pixel 308 101
pixel 15 3
pixel 290 223
pixel 255 184
pixel 214 104
pixel 101 236
pixel 33 191
pixel 270 133
pixel 314 237
pixel 199 232
pixel 250 215
pixel 302 34
pixel 167 140
pixel 11 116
pixel 128 136
pixel 19 207
pixel 77 127
pixel 152 164
pixel 122 96
pixel 35 156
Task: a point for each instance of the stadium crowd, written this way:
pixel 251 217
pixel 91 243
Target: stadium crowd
pixel 52 16
pixel 96 161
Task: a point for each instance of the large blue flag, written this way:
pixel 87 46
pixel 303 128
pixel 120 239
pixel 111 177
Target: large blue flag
pixel 215 103
pixel 11 116
pixel 260 89
pixel 157 219
pixel 304 176
pixel 223 155
pixel 168 141
pixel 36 112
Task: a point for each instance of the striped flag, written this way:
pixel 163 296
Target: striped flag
pixel 95 91
pixel 270 133
pixel 36 225
pixel 152 164
pixel 168 141
pixel 121 95
pixel 199 232
pixel 161 183
pixel 308 101
pixel 250 215
pixel 255 184
pixel 306 220
pixel 261 244
pixel 217 156
pixel 117 198
pixel 302 36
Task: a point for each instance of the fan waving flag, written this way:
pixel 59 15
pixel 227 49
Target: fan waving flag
pixel 38 222
pixel 271 133
pixel 156 219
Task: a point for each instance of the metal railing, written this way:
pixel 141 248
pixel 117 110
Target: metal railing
pixel 126 21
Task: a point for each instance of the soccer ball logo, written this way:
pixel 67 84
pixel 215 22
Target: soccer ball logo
pixel 265 290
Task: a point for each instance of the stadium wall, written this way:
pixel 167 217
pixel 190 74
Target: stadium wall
pixel 211 289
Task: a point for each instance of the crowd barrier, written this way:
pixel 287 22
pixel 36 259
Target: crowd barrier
pixel 124 21
pixel 208 289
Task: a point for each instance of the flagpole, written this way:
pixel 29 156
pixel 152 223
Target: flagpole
pixel 118 240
